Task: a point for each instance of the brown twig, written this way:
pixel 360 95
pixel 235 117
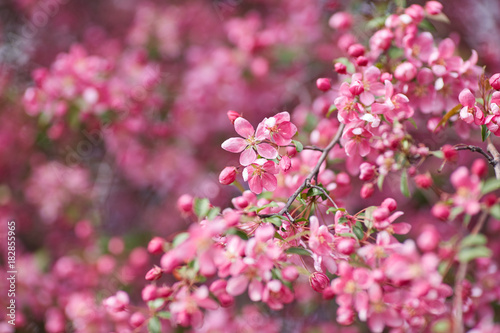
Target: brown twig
pixel 477 149
pixel 496 157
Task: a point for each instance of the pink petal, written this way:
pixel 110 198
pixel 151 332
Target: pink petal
pixel 401 228
pixel 271 167
pixel 382 108
pixel 466 98
pixel 364 148
pixel 377 88
pixel 372 74
pixel 446 48
pixel 269 182
pixel 255 184
pixel 237 285
pixel 243 127
pixel 247 157
pixel 350 147
pixel 267 151
pixel 261 133
pixel 255 290
pixel 389 89
pixel 367 98
pixel 234 145
pixel 282 117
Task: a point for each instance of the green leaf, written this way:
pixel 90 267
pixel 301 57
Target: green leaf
pixel 400 3
pixel 241 234
pixel 473 240
pixel 298 250
pixel 278 236
pixel 404 184
pixel 213 212
pixel 441 326
pixel 269 205
pixel 455 211
pixel 470 253
pixel 313 192
pixel 201 207
pixel 330 110
pixel 180 238
pixel 157 303
pixel 376 23
pixel 164 315
pixel 438 153
pixel 441 17
pixel 448 115
pixel 395 53
pixel 358 232
pixel 154 325
pixel 412 121
pixel 380 182
pixel 348 64
pixel 490 185
pixel 274 220
pixel 485 132
pixel 495 212
pixel 298 146
pixel 427 26
pixel 347 234
pixel 334 210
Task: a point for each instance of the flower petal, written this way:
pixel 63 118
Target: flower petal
pixel 269 182
pixel 234 145
pixel 237 285
pixel 243 127
pixel 267 151
pixel 247 157
pixel 255 184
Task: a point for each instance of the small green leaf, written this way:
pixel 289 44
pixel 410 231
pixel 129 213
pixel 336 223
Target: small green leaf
pixel 164 315
pixel 154 325
pixel 495 212
pixel 470 253
pixel 395 52
pixel 441 17
pixel 330 110
pixel 278 236
pixel 241 234
pixel 346 234
pixel 412 121
pixel 404 184
pixel 274 220
pixel 358 232
pixel 213 212
pixel 349 65
pixel 298 250
pixel 490 185
pixel 380 182
pixel 157 303
pixel 201 207
pixel 427 26
pixel 298 146
pixel 438 153
pixel 473 240
pixel 375 23
pixel 455 211
pixel 441 326
pixel 485 132
pixel 180 238
pixel 334 210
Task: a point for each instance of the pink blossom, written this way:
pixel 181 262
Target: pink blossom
pixel 357 139
pixel 433 7
pixel 227 175
pixel 318 281
pixel 340 68
pixel 470 111
pixel 260 176
pixel 340 21
pixel 495 81
pixel 279 129
pixel 252 142
pixel 405 72
pixel 468 190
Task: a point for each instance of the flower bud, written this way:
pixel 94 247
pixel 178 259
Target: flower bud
pixel 319 281
pixel 362 61
pixel 428 239
pixel 479 167
pixel 441 211
pixel 433 7
pixel 227 176
pixel 185 203
pixel 405 72
pixel 137 319
pixel 164 291
pixel 155 245
pixel 356 87
pixel 233 115
pixel 149 293
pixel 290 273
pixel 340 68
pixel 240 202
pixel 340 21
pixel 380 214
pixel 285 163
pixel 385 77
pixel 356 50
pixel 367 171
pixel 423 181
pixel 154 273
pixel 346 246
pixel 390 204
pixel 416 12
pixel 323 84
pixel 449 153
pixel 367 191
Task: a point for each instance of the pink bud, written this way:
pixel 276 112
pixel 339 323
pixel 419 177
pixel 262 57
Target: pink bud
pixel 489 200
pixel 423 181
pixel 367 171
pixel 381 214
pixel 149 293
pixel 137 319
pixel 285 163
pixel 154 274
pixel 340 68
pixel 227 176
pixel 185 203
pixel 416 12
pixel 362 61
pixel 155 245
pixel 466 98
pixel 343 179
pixel 233 115
pixel 428 239
pixel 290 273
pixel 450 154
pixel 495 81
pixel 356 87
pixel 323 84
pixel 441 211
pixel 239 202
pixel 405 72
pixel 340 21
pixel 345 316
pixel 328 293
pixel 346 246
pixel 433 7
pixel 367 191
pixel 356 50
pixel 318 281
pixel 385 77
pixel 232 218
pixel 164 291
pixel 479 167
pixel 390 204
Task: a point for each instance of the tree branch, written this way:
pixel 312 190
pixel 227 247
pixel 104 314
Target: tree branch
pixel 312 174
pixel 308 147
pixel 496 157
pixel 477 149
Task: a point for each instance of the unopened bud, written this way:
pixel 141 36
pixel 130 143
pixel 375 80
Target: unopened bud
pixel 319 281
pixel 227 176
pixel 323 84
pixel 233 115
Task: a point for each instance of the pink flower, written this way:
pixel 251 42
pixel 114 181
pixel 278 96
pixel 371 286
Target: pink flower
pixel 357 140
pixel 495 81
pixel 319 281
pixel 340 21
pixel 320 238
pixel 405 72
pixel 394 105
pixel 381 40
pixel 260 175
pixel 279 129
pixel 470 111
pixel 227 176
pixel 492 121
pixel 252 142
pixel 433 7
pixel 468 190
